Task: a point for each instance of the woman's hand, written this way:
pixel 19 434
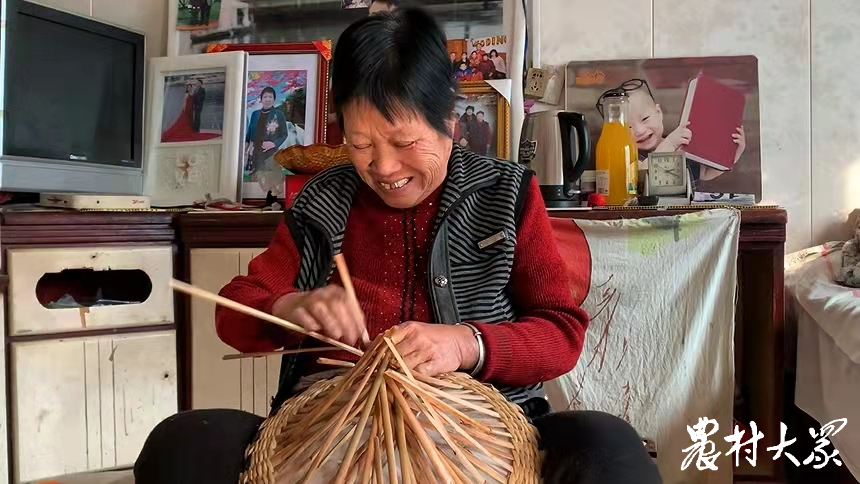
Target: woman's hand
pixel 433 349
pixel 327 311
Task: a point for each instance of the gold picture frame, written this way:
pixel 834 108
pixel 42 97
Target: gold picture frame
pixel 474 94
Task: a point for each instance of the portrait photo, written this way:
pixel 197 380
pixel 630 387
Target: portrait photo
pixel 275 116
pixel 285 105
pixel 197 14
pixel 482 118
pixel 193 107
pixel 704 107
pixel 479 59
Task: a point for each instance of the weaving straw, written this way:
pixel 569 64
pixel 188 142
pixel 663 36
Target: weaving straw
pixel 380 423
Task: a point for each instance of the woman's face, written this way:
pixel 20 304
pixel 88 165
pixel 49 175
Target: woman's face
pixel 268 100
pixel 404 161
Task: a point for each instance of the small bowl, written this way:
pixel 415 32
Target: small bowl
pixel 312 159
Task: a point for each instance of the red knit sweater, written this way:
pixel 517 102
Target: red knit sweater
pixel 387 252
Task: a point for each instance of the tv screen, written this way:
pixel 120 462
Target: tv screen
pixel 72 89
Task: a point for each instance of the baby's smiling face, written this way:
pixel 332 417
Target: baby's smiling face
pixel 646 120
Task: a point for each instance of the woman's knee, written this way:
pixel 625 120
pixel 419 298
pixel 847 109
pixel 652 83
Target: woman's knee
pixel 178 446
pixel 586 447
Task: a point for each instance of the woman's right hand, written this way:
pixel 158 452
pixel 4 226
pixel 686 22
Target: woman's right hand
pixel 328 311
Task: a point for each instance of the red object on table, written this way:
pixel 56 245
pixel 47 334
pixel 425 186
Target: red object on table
pixel 596 200
pixel 294 184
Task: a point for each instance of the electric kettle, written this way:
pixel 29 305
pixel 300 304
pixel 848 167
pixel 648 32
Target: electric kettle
pixel 556 146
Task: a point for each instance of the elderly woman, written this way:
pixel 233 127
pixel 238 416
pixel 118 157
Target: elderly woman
pixel 454 248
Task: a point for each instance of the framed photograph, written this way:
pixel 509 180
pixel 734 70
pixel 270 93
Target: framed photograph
pixel 197 14
pixel 483 120
pixel 672 102
pixel 194 128
pixel 286 104
pixel 480 59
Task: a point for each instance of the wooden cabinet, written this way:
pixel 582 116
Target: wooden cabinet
pixel 92 364
pixel 247 384
pixel 144 273
pixel 88 403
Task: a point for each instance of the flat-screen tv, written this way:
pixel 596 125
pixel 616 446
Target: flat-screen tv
pixel 71 114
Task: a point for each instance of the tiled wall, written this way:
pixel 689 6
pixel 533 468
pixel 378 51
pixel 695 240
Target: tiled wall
pixel 809 79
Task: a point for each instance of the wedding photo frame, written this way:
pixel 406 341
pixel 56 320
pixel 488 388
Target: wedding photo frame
pixel 483 120
pixel 286 104
pixel 194 128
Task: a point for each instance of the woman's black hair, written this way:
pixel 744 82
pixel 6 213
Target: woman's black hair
pixel 270 90
pixel 398 62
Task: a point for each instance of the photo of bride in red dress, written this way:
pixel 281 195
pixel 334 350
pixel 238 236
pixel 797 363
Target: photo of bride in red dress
pixel 193 108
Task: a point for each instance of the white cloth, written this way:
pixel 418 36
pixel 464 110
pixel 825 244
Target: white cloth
pixel 834 308
pixel 659 351
pixel 828 346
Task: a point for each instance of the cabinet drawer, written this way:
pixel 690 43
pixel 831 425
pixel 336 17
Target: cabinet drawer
pixel 86 404
pixel 57 290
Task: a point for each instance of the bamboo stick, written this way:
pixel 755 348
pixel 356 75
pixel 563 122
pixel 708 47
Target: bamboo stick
pixel 388 433
pixel 433 418
pixel 367 470
pixel 406 472
pixel 239 356
pixel 362 420
pixel 462 416
pixel 345 278
pixel 339 363
pixel 343 413
pixel 428 446
pixel 241 308
pixel 440 393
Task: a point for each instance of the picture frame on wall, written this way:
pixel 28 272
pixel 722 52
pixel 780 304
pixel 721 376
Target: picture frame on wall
pixel 194 128
pixel 483 120
pixel 285 104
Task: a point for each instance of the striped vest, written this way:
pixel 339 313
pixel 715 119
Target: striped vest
pixel 482 198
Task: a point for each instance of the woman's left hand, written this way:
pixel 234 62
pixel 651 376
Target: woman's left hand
pixel 433 349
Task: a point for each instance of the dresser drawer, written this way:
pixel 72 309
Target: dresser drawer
pixel 59 290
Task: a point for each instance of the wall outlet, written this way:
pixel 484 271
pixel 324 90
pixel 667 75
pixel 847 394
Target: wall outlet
pixel 554 84
pixel 536 83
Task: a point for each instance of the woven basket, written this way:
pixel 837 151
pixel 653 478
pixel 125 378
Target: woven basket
pixel 311 159
pixel 446 429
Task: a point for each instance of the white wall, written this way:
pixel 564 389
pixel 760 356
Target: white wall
pixel 146 16
pixel 808 73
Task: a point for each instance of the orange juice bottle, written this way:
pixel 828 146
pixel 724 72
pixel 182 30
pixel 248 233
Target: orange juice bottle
pixel 616 156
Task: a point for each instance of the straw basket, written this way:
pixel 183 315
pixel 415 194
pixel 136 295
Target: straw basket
pixel 311 159
pixel 380 423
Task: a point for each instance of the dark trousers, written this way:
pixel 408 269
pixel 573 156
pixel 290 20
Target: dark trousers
pixel 208 447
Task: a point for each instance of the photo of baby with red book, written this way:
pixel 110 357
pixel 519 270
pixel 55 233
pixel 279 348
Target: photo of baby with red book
pixel 705 107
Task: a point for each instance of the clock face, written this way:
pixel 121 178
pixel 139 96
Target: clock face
pixel 667 173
